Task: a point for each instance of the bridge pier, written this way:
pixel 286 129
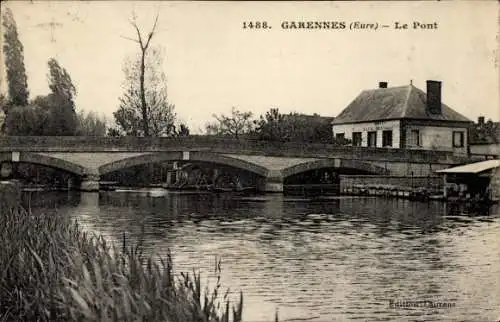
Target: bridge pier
pixel 272 184
pixel 90 183
pixel 6 169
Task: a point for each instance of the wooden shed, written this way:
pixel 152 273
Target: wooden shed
pixel 475 180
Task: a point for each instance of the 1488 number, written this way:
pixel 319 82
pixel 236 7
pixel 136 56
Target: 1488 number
pixel 256 25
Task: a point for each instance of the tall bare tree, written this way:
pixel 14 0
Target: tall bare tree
pixel 160 116
pixel 144 43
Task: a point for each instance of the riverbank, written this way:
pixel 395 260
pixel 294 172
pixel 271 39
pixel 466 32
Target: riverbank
pixel 54 271
pixel 416 194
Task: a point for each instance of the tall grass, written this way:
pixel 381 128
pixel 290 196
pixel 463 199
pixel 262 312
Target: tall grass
pixel 52 270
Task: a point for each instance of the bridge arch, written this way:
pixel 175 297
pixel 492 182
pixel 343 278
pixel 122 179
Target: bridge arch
pixel 333 163
pixel 183 156
pixel 41 159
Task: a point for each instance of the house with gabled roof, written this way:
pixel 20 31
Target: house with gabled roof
pixel 485 138
pixel 403 117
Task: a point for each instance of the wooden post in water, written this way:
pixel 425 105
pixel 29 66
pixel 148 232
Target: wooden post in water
pixel 169 178
pixel 445 185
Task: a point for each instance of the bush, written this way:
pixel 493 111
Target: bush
pixel 27 120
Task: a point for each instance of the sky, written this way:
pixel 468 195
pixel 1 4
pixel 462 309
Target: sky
pixel 212 63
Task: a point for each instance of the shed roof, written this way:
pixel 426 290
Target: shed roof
pixel 473 168
pixel 394 103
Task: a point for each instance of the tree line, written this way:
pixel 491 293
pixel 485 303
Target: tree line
pixel 275 126
pixel 144 108
pixel 51 114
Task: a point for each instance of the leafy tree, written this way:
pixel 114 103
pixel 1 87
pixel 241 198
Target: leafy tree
pixel 236 124
pixel 114 132
pixel 275 126
pixel 52 114
pixel 63 119
pixel 313 128
pixel 90 124
pixel 160 115
pixel 27 120
pixel 14 63
pixel 44 101
pixel 182 130
pixel 60 84
pixel 32 119
pixel 128 122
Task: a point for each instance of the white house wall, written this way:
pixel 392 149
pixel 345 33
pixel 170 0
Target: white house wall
pixel 431 137
pixel 437 138
pixel 364 128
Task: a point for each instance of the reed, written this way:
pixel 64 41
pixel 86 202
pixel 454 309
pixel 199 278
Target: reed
pixel 52 270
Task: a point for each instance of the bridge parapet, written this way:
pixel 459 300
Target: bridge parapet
pixel 224 145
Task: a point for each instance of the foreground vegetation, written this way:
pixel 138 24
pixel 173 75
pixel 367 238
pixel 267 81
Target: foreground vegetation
pixel 51 270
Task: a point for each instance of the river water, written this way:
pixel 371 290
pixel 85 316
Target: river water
pixel 333 260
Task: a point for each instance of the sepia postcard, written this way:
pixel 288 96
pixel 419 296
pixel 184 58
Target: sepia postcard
pixel 250 161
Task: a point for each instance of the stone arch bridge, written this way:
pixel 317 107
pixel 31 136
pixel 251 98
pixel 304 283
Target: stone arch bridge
pixel 91 157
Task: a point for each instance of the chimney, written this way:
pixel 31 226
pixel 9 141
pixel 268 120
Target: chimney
pixel 382 85
pixel 480 120
pixel 434 97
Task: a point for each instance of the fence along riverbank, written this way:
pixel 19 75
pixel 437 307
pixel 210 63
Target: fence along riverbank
pixel 406 187
pixel 414 188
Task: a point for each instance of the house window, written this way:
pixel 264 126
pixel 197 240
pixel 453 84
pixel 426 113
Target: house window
pixel 458 139
pixel 356 138
pixel 339 136
pixel 372 139
pixel 387 138
pixel 414 139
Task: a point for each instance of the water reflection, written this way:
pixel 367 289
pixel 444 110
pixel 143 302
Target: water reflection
pixel 323 260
